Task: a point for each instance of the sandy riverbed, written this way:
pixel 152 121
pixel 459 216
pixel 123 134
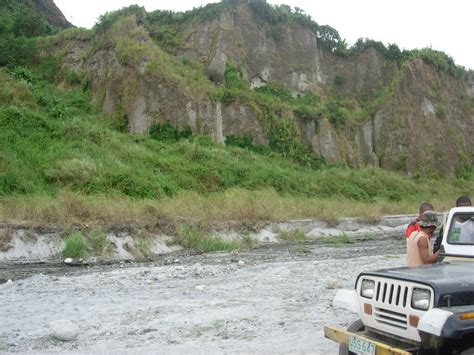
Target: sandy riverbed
pixel 268 300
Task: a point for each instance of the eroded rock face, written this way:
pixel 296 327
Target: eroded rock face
pixel 146 99
pixel 364 140
pixel 326 143
pixel 470 87
pixel 424 126
pixel 51 13
pixel 291 55
pixel 239 38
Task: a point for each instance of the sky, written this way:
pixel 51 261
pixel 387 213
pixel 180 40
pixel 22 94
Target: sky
pixel 438 24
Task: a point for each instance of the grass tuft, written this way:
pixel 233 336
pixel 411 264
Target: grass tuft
pixel 343 238
pixel 75 246
pixel 295 236
pixel 98 243
pixel 143 244
pixel 192 238
pixel 5 238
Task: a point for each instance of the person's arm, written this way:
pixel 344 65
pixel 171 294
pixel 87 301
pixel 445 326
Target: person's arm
pixel 424 246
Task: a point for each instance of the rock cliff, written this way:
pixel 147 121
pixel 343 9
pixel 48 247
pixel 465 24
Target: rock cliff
pixel 50 12
pixel 418 117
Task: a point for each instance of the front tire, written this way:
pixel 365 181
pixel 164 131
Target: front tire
pixel 356 326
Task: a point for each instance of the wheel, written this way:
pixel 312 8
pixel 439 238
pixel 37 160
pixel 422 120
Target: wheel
pixel 356 326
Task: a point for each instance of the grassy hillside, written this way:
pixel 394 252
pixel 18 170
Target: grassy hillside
pixel 63 161
pixel 273 107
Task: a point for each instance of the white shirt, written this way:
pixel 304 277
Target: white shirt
pixel 462 233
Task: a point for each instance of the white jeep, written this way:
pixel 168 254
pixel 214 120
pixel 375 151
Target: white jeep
pixel 427 309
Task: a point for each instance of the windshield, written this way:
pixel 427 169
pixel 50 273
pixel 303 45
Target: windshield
pixel 462 230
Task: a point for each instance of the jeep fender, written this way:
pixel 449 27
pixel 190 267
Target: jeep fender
pixel 433 321
pixel 347 299
pixel 446 323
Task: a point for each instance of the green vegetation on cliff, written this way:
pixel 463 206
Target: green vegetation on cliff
pixel 61 160
pixel 280 16
pixel 20 23
pixel 276 104
pixel 52 141
pixel 164 27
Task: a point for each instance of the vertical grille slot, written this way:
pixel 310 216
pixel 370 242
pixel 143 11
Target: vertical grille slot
pixel 399 290
pixel 384 293
pixel 390 297
pixel 391 293
pixel 405 297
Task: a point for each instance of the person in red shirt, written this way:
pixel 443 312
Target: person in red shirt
pixel 414 225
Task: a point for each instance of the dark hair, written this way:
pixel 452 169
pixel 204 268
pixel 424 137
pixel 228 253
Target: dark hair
pixel 463 201
pixel 426 206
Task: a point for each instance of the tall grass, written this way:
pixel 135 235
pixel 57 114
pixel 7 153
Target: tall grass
pixel 63 162
pixel 64 145
pixel 233 205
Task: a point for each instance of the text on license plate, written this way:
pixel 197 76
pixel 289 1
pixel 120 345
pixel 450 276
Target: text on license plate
pixel 361 347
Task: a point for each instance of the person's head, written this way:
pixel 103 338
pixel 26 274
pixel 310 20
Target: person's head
pixel 463 201
pixel 425 206
pixel 429 222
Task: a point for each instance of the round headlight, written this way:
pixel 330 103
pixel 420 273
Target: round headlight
pixel 421 299
pixel 367 288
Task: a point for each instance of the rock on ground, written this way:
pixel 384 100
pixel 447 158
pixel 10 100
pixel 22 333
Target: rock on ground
pixel 64 330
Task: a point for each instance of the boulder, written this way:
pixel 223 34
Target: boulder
pixel 64 330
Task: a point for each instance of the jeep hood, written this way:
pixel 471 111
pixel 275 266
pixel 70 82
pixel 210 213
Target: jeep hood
pixel 453 283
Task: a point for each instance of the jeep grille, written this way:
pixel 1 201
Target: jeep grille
pixel 388 293
pixel 391 294
pixel 391 304
pixel 390 318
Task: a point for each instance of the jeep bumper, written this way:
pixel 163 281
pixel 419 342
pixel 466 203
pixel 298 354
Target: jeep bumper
pixel 343 337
